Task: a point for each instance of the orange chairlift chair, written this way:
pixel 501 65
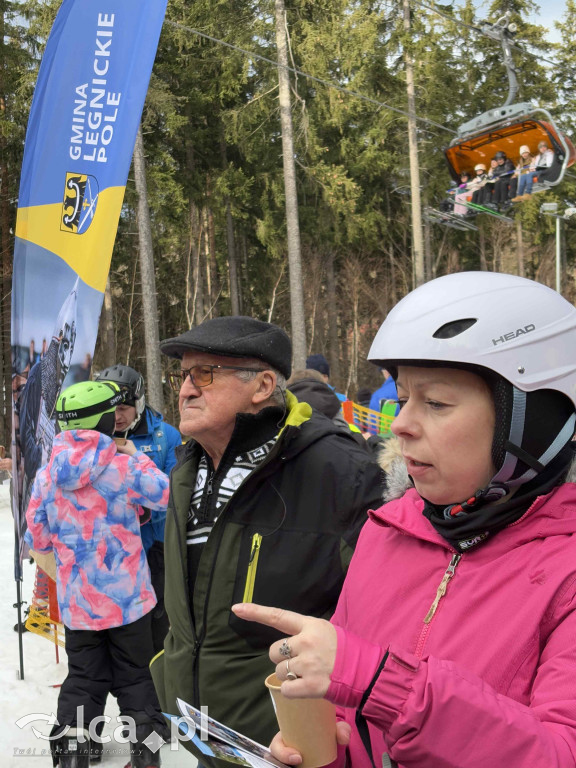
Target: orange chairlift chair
pixel 508 127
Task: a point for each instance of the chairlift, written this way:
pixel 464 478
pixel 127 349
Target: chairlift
pixel 523 124
pixel 507 128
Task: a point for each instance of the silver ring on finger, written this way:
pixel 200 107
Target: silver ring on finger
pixel 289 674
pixel 285 649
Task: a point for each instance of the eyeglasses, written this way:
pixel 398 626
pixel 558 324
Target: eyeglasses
pixel 202 375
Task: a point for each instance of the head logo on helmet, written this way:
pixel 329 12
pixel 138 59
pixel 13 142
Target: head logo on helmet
pixel 131 382
pixel 514 334
pixel 89 405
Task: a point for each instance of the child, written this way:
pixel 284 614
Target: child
pixel 462 194
pixel 478 184
pixel 85 507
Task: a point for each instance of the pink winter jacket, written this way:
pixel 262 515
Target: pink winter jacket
pixel 488 679
pixel 85 506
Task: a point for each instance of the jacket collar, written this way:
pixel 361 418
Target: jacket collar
pixel 553 514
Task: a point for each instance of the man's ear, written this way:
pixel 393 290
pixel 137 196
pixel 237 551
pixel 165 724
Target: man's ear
pixel 266 386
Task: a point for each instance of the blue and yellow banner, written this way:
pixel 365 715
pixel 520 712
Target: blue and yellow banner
pixel 81 133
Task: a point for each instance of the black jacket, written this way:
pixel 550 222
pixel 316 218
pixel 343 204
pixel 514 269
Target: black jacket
pixel 284 539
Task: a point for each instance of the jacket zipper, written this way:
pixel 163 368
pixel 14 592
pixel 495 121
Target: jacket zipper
pixel 440 592
pixel 203 513
pixel 219 525
pixel 252 566
pixel 442 587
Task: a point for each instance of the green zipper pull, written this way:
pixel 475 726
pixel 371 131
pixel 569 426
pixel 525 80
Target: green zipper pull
pixel 252 566
pixel 443 586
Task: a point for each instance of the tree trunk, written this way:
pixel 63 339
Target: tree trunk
pixel 520 247
pixel 482 247
pixel 332 313
pixel 107 326
pixel 428 251
pixel 352 382
pixel 149 304
pixel 275 293
pixel 393 283
pixel 194 276
pixel 416 207
pixel 197 308
pixel 206 261
pixel 232 265
pixel 292 224
pixel 230 242
pixel 212 265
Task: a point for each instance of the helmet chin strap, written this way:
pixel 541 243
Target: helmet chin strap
pixel 139 405
pixel 503 483
pixel 134 424
pixel 515 453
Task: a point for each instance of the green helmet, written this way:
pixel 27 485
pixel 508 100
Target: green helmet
pixel 83 405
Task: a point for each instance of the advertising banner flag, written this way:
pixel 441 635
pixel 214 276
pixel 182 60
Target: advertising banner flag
pixel 81 133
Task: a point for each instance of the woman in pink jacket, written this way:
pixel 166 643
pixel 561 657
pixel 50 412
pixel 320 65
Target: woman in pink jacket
pixel 454 641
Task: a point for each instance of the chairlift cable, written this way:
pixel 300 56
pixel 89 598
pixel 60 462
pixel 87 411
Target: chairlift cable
pixel 479 30
pixel 300 73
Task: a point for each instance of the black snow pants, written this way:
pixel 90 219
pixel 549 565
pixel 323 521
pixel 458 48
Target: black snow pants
pixel 160 623
pixel 109 660
pixel 501 190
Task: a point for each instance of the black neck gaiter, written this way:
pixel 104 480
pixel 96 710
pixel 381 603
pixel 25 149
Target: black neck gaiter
pixel 485 518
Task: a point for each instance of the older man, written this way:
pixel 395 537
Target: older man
pixel 267 500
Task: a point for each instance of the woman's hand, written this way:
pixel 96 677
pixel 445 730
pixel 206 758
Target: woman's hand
pixel 312 649
pixel 291 756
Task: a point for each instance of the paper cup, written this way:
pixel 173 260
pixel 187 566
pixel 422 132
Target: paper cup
pixel 120 440
pixel 308 725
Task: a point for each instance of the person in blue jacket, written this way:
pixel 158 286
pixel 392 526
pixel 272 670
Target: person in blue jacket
pixel 158 440
pixel 387 391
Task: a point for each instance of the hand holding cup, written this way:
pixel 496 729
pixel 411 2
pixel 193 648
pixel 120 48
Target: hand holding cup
pixel 305 660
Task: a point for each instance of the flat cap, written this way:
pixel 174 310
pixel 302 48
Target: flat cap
pixel 235 336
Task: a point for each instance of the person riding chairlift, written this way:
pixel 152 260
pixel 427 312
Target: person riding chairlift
pixel 502 173
pixel 544 162
pixel 478 184
pixel 461 195
pixel 524 174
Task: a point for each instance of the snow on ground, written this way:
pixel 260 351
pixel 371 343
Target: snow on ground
pixel 35 694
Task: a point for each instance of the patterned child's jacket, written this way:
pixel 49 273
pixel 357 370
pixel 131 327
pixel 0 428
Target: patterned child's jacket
pixel 85 507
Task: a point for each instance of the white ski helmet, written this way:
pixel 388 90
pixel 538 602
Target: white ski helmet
pixel 520 334
pixel 520 329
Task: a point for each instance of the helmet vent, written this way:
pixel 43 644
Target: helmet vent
pixel 454 328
